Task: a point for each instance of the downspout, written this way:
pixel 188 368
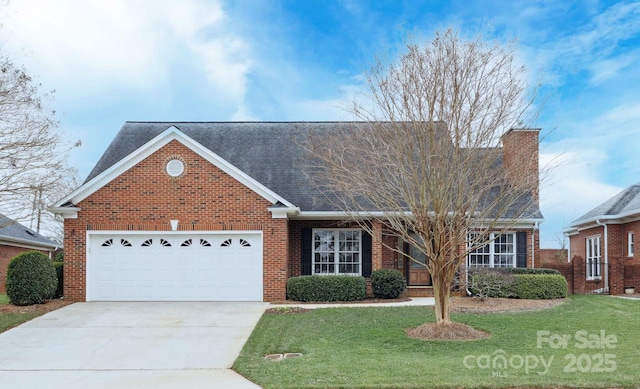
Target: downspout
pixel 606 255
pixel 533 245
pixel 466 271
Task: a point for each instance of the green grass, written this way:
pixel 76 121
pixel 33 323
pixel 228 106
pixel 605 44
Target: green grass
pixel 10 320
pixel 366 348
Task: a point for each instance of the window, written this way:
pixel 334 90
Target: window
pixel 630 244
pixel 500 252
pixel 593 258
pixel 337 252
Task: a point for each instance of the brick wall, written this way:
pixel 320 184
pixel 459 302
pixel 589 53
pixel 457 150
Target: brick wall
pixel 205 198
pixel 520 157
pixel 632 276
pixel 622 270
pixel 552 257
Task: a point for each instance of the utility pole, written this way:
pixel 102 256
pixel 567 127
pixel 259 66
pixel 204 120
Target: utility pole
pixel 36 209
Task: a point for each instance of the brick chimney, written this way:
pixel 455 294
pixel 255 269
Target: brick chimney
pixel 520 157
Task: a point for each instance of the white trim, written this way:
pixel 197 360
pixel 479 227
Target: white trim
pixel 65 212
pixel 23 243
pixel 283 212
pixel 491 243
pixel 155 144
pixel 596 243
pixel 340 215
pixel 630 247
pixel 622 218
pixel 336 251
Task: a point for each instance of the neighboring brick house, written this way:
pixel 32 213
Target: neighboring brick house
pixel 603 245
pixel 15 239
pixel 222 211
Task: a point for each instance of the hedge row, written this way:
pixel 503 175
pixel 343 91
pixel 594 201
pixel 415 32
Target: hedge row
pixel 530 285
pixel 527 270
pixel 541 286
pixel 326 288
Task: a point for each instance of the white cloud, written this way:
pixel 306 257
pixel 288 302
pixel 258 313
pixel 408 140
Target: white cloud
pixel 602 71
pixel 103 46
pixel 571 186
pixel 628 113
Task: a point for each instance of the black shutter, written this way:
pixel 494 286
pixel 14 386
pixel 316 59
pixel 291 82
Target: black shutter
pixel 307 241
pixel 521 249
pixel 366 254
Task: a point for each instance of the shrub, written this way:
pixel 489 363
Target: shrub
pixel 59 257
pixel 540 286
pixel 326 288
pixel 31 279
pixel 486 282
pixel 527 270
pixel 387 283
pixel 59 266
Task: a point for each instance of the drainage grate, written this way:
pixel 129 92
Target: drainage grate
pixel 279 357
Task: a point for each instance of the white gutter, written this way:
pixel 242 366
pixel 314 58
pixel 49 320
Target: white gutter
pixel 327 215
pixel 606 254
pixel 17 242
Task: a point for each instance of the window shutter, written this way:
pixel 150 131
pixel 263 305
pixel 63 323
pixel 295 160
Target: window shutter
pixel 307 241
pixel 521 249
pixel 366 254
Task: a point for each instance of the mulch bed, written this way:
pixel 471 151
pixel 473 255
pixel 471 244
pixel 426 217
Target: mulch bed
pixel 48 306
pixel 365 301
pixel 499 305
pixel 451 331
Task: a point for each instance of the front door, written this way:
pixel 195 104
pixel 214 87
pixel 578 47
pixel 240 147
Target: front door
pixel 416 267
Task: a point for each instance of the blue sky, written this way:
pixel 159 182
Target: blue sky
pixel 207 60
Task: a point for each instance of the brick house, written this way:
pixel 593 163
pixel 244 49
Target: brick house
pixel 222 211
pixel 15 239
pixel 601 245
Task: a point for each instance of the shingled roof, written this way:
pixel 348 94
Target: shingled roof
pixel 16 234
pixel 624 204
pixel 269 152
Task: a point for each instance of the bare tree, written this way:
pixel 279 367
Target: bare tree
pixel 44 194
pixel 425 163
pixel 32 149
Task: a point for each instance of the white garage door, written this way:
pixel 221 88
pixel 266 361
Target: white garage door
pixel 174 266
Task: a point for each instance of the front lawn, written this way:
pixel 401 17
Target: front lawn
pixel 12 315
pixel 589 341
pixel 12 319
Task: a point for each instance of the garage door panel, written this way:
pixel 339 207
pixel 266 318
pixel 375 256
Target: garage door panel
pixel 175 267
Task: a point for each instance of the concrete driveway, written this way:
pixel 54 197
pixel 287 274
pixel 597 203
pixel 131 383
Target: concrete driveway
pixel 130 345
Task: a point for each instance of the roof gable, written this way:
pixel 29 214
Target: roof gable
pixel 127 150
pixel 624 204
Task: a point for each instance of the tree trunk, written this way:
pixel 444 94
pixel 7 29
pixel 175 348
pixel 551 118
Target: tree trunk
pixel 441 292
